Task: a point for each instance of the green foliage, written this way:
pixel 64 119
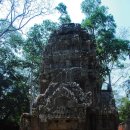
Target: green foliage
pixel 14 99
pixel 37 38
pixel 64 17
pixel 100 21
pixel 102 26
pixel 13 88
pixel 89 6
pixel 16 68
pixel 62 8
pixel 124 109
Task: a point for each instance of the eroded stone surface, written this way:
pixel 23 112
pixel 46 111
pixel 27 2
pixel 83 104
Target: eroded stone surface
pixel 70 94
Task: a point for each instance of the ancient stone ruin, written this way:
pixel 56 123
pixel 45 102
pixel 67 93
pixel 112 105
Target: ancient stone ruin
pixel 70 94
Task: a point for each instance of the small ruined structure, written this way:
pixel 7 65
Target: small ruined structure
pixel 125 125
pixel 70 87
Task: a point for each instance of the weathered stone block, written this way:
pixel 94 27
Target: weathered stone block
pixel 71 98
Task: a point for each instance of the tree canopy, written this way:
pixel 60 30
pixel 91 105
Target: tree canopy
pixel 13 88
pixel 64 17
pixel 103 27
pixel 20 61
pixel 124 109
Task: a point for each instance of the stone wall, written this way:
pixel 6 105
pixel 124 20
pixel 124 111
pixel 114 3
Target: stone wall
pixel 69 57
pixel 70 96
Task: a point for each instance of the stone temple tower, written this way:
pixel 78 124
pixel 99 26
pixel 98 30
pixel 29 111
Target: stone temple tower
pixel 70 94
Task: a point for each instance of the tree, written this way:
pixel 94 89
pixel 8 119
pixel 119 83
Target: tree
pixel 124 109
pixel 89 6
pixel 19 12
pixel 64 17
pixel 37 38
pixel 19 68
pixel 13 88
pixel 102 26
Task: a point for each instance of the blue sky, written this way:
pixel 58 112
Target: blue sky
pixel 120 9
